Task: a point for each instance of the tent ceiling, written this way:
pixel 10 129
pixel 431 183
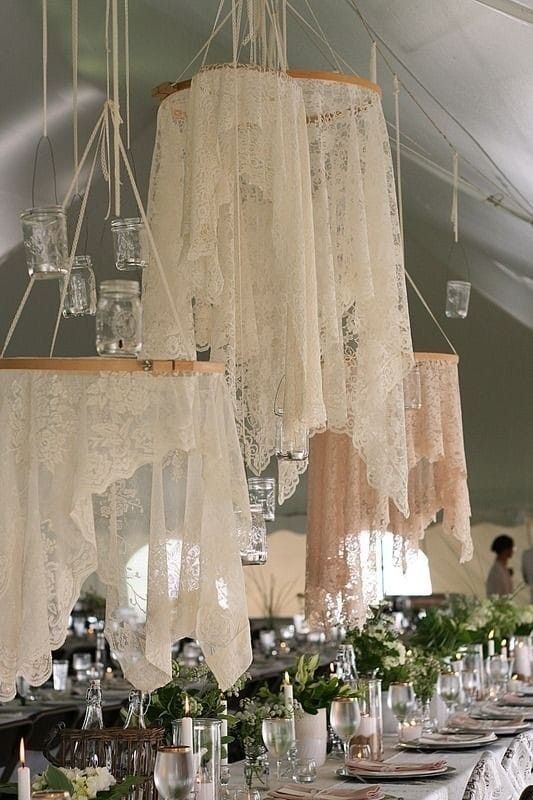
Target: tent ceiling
pixel 474 60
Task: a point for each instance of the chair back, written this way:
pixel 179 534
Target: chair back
pixel 488 781
pixel 517 761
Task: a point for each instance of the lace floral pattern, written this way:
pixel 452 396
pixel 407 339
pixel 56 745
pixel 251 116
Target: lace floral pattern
pixel 139 477
pixel 517 761
pixel 488 781
pixel 341 580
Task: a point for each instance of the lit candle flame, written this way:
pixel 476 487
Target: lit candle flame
pixel 287 679
pixel 22 754
pixel 504 642
pixel 331 668
pixel 491 635
pixel 186 706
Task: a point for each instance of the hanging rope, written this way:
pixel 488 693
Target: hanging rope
pixel 213 29
pixel 18 312
pixel 45 67
pixel 127 69
pixel 430 312
pixel 373 67
pixel 455 197
pixel 75 59
pixel 398 153
pixel 116 103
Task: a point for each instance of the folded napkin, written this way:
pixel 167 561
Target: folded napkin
pixel 492 711
pixel 291 792
pixel 465 723
pixel 512 699
pixel 364 765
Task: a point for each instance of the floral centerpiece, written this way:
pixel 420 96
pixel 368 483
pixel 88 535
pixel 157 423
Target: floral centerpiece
pixel 85 784
pixel 379 651
pixel 247 725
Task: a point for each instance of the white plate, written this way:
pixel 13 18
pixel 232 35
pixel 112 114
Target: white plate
pixel 450 741
pixel 397 777
pixel 501 730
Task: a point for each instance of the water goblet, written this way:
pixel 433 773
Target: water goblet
pixel 449 689
pixel 174 772
pixel 470 681
pixel 345 717
pixel 401 701
pixel 278 738
pixel 498 668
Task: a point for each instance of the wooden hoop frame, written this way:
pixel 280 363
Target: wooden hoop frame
pixel 450 357
pixel 157 367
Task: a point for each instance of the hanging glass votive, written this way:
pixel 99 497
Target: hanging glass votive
pixel 80 298
pixel 119 319
pixel 129 243
pixel 457 298
pixel 412 390
pixel 292 441
pixel 254 551
pixel 262 492
pixel 44 233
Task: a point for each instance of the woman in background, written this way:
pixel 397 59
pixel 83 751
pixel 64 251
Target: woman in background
pixel 500 577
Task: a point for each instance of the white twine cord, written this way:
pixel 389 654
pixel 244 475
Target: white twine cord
pixel 430 312
pixel 202 48
pixel 324 37
pixel 72 256
pixel 107 176
pixel 215 23
pixel 284 34
pixel 75 61
pixel 70 191
pixel 398 153
pixel 329 53
pixel 127 69
pixel 116 104
pixel 373 67
pixel 454 218
pixel 18 313
pixel 45 67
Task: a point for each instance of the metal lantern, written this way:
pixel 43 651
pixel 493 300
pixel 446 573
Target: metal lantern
pixel 44 233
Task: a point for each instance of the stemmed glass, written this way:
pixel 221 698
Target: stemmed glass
pixel 449 689
pixel 401 701
pixel 345 717
pixel 470 681
pixel 278 738
pixel 498 668
pixel 174 772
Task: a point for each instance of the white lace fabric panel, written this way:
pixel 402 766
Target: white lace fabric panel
pixel 489 781
pixel 137 477
pixel 241 243
pixel 364 321
pixel 518 762
pixel 346 514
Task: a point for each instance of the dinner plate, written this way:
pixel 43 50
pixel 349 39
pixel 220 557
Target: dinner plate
pixel 397 777
pixel 502 730
pixel 450 741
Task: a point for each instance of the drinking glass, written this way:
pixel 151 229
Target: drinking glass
pixel 246 793
pixel 498 668
pixel 59 675
pixel 278 737
pixel 470 681
pixel 360 752
pixel 81 662
pixel 449 689
pixel 345 717
pixel 304 770
pixel 174 772
pixel 254 551
pixel 457 298
pixel 401 701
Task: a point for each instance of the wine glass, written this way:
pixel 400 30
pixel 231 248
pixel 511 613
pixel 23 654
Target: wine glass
pixel 449 689
pixel 401 701
pixel 498 668
pixel 470 681
pixel 278 738
pixel 345 717
pixel 174 772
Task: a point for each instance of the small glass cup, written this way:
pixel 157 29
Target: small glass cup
pixel 304 770
pixel 292 441
pixel 119 319
pixel 80 297
pixel 129 243
pixel 262 492
pixel 81 662
pixel 254 551
pixel 359 751
pixel 60 675
pixel 174 772
pixel 44 233
pixel 412 390
pixel 457 299
pixel 246 793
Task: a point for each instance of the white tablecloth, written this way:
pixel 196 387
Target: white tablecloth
pixel 450 788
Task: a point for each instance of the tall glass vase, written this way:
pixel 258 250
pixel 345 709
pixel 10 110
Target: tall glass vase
pixel 370 730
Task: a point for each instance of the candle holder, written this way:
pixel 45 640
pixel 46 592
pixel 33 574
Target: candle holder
pixel 129 243
pixel 254 550
pixel 206 754
pixel 80 297
pixel 262 492
pixel 371 724
pixel 44 233
pixel 457 299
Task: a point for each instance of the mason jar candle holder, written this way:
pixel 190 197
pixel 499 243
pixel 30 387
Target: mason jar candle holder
pixel 262 492
pixel 129 243
pixel 80 297
pixel 119 319
pixel 457 299
pixel 412 390
pixel 292 441
pixel 254 551
pixel 44 234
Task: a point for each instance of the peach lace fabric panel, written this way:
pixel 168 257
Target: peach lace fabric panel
pixel 135 476
pixel 234 214
pixel 342 506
